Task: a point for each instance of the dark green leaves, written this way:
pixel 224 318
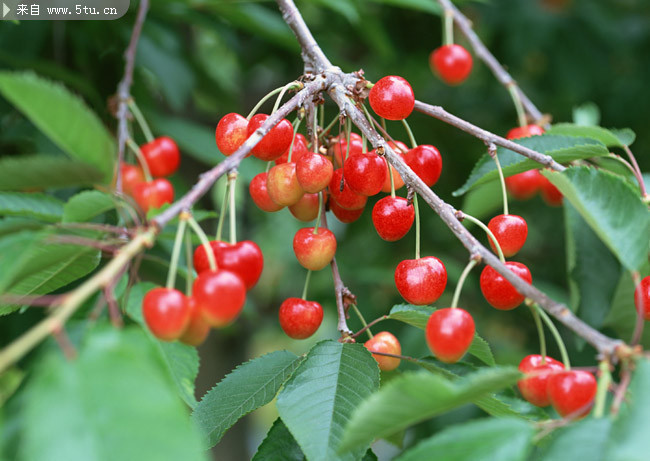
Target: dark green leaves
pixel 279 444
pixel 32 205
pixel 583 440
pixel 45 171
pixel 611 138
pixel 86 205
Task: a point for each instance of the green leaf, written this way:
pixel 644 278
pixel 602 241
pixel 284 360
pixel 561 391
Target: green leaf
pixel 12 225
pixel 33 205
pixel 489 439
pixel 563 149
pixel 582 440
pixel 248 387
pixel 482 201
pixel 318 401
pixel 86 205
pixel 112 402
pixel 417 5
pixel 63 117
pixel 610 138
pixel 625 135
pixel 192 138
pixel 415 397
pixel 45 171
pixel 622 316
pixel 279 444
pixel 611 207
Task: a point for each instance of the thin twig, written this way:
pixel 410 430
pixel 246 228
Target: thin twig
pixel 368 326
pixel 637 171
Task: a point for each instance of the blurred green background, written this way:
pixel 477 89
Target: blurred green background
pixel 198 60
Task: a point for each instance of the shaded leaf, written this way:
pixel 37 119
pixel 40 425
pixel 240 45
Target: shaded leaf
pixel 33 205
pixel 610 138
pixel 86 205
pixel 45 171
pixel 583 440
pixel 279 445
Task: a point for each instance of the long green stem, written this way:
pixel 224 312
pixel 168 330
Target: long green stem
pixel 521 115
pixel 328 127
pixel 293 140
pixel 141 160
pixel 348 130
pixel 232 181
pixel 461 281
pixel 188 260
pixel 556 335
pixel 263 100
pixel 205 242
pixel 322 115
pixel 503 182
pixel 392 180
pixel 141 120
pixel 491 236
pixel 448 32
pixel 363 320
pixel 176 252
pixel 540 333
pixel 223 211
pixel 604 381
pixel 282 92
pixel 306 287
pixel 414 143
pixel 417 226
pixel 320 212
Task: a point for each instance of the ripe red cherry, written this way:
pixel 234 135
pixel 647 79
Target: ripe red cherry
pixel 260 194
pixel 572 392
pixel 401 150
pixel 243 258
pixel 343 215
pixel 162 156
pixel 449 333
pixel 197 329
pixel 551 194
pixel 282 184
pixel 498 292
pixel 534 387
pixel 421 281
pixel 642 297
pixel 346 198
pixel 392 98
pixel 132 175
pixel 365 173
pixel 339 147
pixel 166 313
pixel 275 142
pixel 153 194
pixel 385 342
pixel 392 217
pixel 220 295
pixel 314 172
pixel 524 185
pixel 314 251
pixel 299 318
pixel 426 162
pixel 510 231
pixel 452 63
pixel 231 132
pixel 525 131
pixel 299 149
pixel 306 209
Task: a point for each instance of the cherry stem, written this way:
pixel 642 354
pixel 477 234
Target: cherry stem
pixel 322 115
pixel 397 356
pixel 604 381
pixel 178 242
pixel 491 236
pixel 328 127
pixel 492 151
pixel 314 136
pixel 188 260
pixel 540 333
pixel 392 180
pixel 306 287
pixel 283 90
pixel 320 212
pixel 141 160
pixel 144 126
pixel 224 210
pixel 293 140
pixel 637 171
pixel 348 129
pixel 556 335
pixel 417 226
pixel 366 327
pixel 212 260
pixel 516 99
pixel 448 32
pixel 268 96
pixel 409 132
pixel 459 286
pixel 364 143
pixel 374 322
pixel 232 181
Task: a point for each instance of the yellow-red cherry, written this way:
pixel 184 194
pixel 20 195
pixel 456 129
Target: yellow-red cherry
pixel 392 98
pixel 499 292
pixel 314 251
pixel 642 297
pixel 339 147
pixel 387 343
pixel 282 184
pixel 299 149
pixel 572 392
pixel 392 217
pixel 449 333
pixel 299 318
pixel 275 142
pixel 537 370
pixel 421 281
pixel 166 312
pixel 231 132
pixel 345 196
pixel 162 156
pixel 343 215
pixel 260 194
pixel 305 209
pixel 314 172
pixel 452 63
pixel 153 194
pixel 132 175
pixel 197 329
pixel 220 295
pixel 510 231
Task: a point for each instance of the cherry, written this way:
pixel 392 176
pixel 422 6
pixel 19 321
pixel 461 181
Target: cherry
pixel 534 387
pixel 197 329
pixel 345 198
pixel 401 150
pixel 339 147
pixel 572 392
pixel 452 63
pixel 421 281
pixel 275 142
pixel 220 295
pixel 231 132
pixel 449 333
pixel 166 313
pixel 244 258
pixel 524 185
pixel 365 173
pixel 314 251
pixel 392 217
pixel 642 297
pixel 162 156
pixel 510 231
pixel 282 184
pixel 551 194
pixel 498 292
pixel 426 162
pixel 299 149
pixel 260 194
pixel 200 260
pixel 392 98
pixel 525 131
pixel 300 319
pixel 306 209
pixel 132 175
pixel 343 215
pixel 153 194
pixel 385 342
pixel 314 172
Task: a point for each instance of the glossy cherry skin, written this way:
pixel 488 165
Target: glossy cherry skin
pixel 345 198
pixel 132 175
pixel 365 173
pixel 282 184
pixel 392 98
pixel 343 215
pixel 314 251
pixel 260 194
pixel 510 231
pixel 220 295
pixel 401 150
pixel 306 209
pixel 386 342
pixel 449 333
pixel 275 142
pixel 452 63
pixel 392 217
pixel 525 131
pixel 572 392
pixel 426 162
pixel 523 186
pixel 551 194
pixel 534 387
pixel 244 258
pixel 153 194
pixel 500 293
pixel 421 281
pixel 339 147
pixel 300 319
pixel 197 329
pixel 299 149
pixel 642 297
pixel 314 172
pixel 166 312
pixel 162 156
pixel 231 132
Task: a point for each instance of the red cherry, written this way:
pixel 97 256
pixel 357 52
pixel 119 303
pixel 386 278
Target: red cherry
pixel 343 215
pixel 162 156
pixel 197 329
pixel 452 63
pixel 498 292
pixel 282 184
pixel 299 318
pixel 524 185
pixel 299 149
pixel 166 313
pixel 525 131
pixel 421 281
pixel 365 173
pixel 449 333
pixel 275 142
pixel 314 172
pixel 220 295
pixel 426 162
pixel 260 194
pixel 551 194
pixel 572 392
pixel 401 150
pixel 314 251
pixel 339 147
pixel 200 260
pixel 132 175
pixel 642 297
pixel 385 342
pixel 346 198
pixel 510 231
pixel 244 258
pixel 231 132
pixel 534 387
pixel 392 217
pixel 392 98
pixel 153 194
pixel 306 209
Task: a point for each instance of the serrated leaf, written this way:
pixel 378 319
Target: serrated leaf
pixel 86 205
pixel 611 207
pixel 45 171
pixel 563 149
pixel 318 400
pixel 32 205
pixel 610 138
pixel 484 440
pixel 582 440
pixel 278 445
pixel 63 117
pixel 12 225
pixel 248 387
